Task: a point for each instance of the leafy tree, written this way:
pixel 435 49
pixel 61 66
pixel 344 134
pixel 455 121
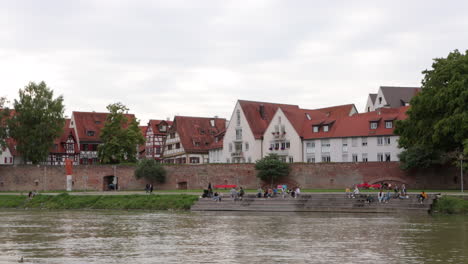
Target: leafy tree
pixel 4 113
pixel 437 125
pixel 271 168
pixel 150 170
pixel 120 136
pixel 38 120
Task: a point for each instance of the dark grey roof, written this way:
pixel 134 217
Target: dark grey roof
pixel 372 97
pixel 398 96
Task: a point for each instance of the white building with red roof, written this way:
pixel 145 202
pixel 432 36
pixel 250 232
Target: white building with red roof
pixel 6 155
pixel 362 137
pixel 65 147
pixel 189 139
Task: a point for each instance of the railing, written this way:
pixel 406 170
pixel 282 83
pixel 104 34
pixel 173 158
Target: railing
pixel 237 154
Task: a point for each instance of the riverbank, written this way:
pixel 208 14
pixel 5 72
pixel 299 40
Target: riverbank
pixel 122 202
pixel 450 205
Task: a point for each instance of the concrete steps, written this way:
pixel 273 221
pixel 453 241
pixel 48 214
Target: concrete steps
pixel 314 203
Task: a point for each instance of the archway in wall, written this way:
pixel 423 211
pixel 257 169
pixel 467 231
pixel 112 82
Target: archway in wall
pixel 182 185
pixel 110 183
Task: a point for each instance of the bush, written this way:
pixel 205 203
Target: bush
pixel 150 170
pixel 451 205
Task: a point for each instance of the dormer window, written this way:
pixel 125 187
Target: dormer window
pixel 197 144
pixel 389 124
pixel 325 128
pixel 373 125
pixel 202 131
pixel 90 133
pixel 308 116
pixel 162 128
pixel 315 129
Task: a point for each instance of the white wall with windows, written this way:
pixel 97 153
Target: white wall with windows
pixel 352 149
pixel 282 139
pixel 5 157
pixel 239 144
pixel 216 155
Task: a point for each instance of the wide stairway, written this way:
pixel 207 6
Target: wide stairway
pixel 316 203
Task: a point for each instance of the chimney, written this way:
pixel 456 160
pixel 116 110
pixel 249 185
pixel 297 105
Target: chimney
pixel 262 111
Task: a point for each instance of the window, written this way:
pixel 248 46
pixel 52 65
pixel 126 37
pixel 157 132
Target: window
pixel 11 159
pixel 355 158
pixel 345 145
pixel 177 145
pixel 379 141
pixel 308 116
pixel 325 128
pixel 238 147
pixel 194 160
pixel 380 157
pixel 389 124
pixel 373 125
pixel 291 159
pixel 272 146
pixel 172 135
pixel 6 159
pixel 202 131
pixel 344 158
pixel 316 129
pixel 238 117
pixel 387 141
pixel 230 147
pixel 157 150
pixel 326 158
pixel 380 100
pixel 169 147
pixel 283 129
pixel 162 128
pixel 288 144
pixel 85 147
pixel 364 142
pixel 239 134
pixel 97 122
pixel 283 145
pixel 354 142
pixel 90 133
pixel 326 145
pixel 196 143
pixel 282 158
pixel 310 147
pixel 247 147
pixel 249 159
pixel 311 160
pixel 387 156
pixel 364 157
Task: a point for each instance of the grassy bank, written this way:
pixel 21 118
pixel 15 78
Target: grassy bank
pixel 66 201
pixel 450 205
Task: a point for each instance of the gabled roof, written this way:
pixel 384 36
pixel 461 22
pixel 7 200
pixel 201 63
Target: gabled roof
pixel 358 125
pixel 373 97
pixel 398 96
pixel 60 141
pixel 154 123
pixel 91 121
pixel 259 114
pixel 197 129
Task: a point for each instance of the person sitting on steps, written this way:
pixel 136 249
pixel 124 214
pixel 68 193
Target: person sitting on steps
pixel 422 197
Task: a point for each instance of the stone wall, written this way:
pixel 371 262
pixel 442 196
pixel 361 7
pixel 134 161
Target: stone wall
pixel 318 175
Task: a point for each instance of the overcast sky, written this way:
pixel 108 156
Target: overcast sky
pixel 162 58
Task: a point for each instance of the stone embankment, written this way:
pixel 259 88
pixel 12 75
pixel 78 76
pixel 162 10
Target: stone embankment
pixel 316 203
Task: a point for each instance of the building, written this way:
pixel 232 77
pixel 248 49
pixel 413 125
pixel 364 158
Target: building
pixel 216 149
pixel 65 147
pixel 362 137
pixel 8 153
pixel 87 127
pixel 391 97
pixel 155 136
pixel 189 139
pixel 284 134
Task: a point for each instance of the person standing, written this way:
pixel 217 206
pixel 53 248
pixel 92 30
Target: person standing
pixel 380 196
pixel 151 188
pixel 147 188
pixel 298 191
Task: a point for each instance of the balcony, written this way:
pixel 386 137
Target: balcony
pixel 279 135
pixel 237 154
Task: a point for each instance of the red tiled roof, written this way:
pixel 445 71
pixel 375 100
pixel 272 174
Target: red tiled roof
pixel 91 121
pixel 258 123
pixel 197 129
pixel 60 141
pixel 11 144
pixel 219 144
pixel 154 123
pixel 358 125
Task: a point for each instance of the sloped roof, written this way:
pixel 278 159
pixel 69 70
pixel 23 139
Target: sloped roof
pixel 197 129
pixel 154 123
pixel 60 141
pixel 358 125
pixel 373 97
pixel 219 144
pixel 91 121
pixel 397 96
pixel 258 123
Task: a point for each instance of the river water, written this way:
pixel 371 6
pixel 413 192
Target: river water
pixel 197 237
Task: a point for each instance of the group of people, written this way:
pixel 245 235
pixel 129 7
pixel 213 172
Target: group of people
pixel 273 192
pixel 149 188
pixel 237 193
pixel 385 193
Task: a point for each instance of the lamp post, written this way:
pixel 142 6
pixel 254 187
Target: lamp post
pixel 461 171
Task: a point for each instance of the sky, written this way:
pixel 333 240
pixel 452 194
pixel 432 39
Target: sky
pixel 197 58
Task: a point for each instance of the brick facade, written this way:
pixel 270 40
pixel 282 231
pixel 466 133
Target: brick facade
pixel 321 175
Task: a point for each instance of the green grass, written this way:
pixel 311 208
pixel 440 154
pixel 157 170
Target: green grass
pixel 66 201
pixel 450 205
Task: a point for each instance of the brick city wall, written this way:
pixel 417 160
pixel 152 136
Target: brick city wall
pixel 319 175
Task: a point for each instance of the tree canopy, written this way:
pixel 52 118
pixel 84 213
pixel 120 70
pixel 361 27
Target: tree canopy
pixel 271 168
pixel 4 113
pixel 37 122
pixel 150 170
pixel 436 129
pixel 120 136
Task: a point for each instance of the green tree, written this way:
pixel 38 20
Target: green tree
pixel 37 122
pixel 4 113
pixel 271 168
pixel 437 125
pixel 120 136
pixel 150 170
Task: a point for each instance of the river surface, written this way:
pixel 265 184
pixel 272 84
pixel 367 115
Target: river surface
pixel 197 237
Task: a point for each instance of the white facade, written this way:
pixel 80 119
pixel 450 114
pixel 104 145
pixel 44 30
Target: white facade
pixel 6 158
pixel 239 143
pixel 282 139
pixel 370 104
pixel 352 149
pixel 174 152
pixel 216 155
